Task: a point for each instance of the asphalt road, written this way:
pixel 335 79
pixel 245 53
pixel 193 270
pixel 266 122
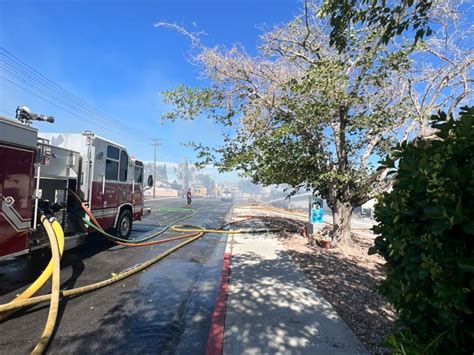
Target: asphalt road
pixel 166 309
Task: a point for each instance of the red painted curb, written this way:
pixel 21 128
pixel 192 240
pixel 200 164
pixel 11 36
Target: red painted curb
pixel 215 339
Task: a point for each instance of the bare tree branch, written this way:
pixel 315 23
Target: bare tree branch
pixel 193 36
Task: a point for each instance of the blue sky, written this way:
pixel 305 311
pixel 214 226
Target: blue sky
pixel 109 54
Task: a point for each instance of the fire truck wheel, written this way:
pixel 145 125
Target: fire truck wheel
pixel 124 225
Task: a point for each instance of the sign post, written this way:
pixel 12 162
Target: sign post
pixel 315 213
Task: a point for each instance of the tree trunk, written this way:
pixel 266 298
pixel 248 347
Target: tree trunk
pixel 342 213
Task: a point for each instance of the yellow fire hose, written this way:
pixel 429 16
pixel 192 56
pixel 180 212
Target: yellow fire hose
pixel 191 229
pixel 17 304
pixel 76 291
pixel 52 229
pixel 56 236
pixel 46 274
pixel 56 284
pixel 95 286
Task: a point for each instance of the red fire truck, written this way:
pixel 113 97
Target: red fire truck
pixel 37 170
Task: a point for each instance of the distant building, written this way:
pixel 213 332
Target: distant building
pixel 162 189
pixel 175 186
pixel 199 190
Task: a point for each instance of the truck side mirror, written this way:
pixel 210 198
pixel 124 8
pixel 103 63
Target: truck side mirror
pixel 149 183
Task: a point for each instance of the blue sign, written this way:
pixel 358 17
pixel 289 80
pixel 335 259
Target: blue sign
pixel 316 214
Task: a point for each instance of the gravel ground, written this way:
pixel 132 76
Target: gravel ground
pixel 347 278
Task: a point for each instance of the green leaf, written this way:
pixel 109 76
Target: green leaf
pixel 466 265
pixel 468 228
pixel 372 250
pixel 391 341
pixel 433 211
pixel 438 227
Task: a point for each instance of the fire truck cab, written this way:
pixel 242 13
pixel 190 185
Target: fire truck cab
pixel 37 171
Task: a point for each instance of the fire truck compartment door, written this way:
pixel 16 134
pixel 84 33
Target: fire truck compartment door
pixel 16 178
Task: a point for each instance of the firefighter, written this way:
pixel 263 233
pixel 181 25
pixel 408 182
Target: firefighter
pixel 189 197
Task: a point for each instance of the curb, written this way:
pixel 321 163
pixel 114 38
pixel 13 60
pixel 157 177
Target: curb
pixel 215 340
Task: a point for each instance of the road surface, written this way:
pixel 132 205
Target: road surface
pixel 166 309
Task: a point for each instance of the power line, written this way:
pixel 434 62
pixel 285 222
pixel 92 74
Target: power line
pixel 45 90
pixel 43 79
pixel 58 102
pixel 6 111
pixel 55 94
pixel 53 103
pixel 49 96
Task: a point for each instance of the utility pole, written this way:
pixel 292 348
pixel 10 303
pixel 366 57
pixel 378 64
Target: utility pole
pixel 155 143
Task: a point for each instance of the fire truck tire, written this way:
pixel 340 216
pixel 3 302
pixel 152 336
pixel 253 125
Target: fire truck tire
pixel 124 225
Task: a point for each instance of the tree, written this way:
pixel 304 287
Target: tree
pixel 442 75
pixel 208 182
pixel 185 173
pixel 304 113
pixel 161 172
pixel 392 18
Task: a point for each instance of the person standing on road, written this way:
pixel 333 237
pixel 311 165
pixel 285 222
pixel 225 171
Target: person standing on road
pixel 189 197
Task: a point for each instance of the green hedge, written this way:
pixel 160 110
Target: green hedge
pixel 426 235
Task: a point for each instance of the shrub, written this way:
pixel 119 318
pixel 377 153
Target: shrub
pixel 426 235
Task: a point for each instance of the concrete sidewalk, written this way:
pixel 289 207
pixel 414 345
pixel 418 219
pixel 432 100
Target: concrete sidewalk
pixel 274 309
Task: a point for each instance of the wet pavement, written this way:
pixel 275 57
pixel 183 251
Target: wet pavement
pixel 165 309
